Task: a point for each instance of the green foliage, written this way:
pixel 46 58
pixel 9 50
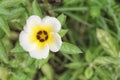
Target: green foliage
pixel 36 8
pixel 88 56
pixel 15 13
pixel 10 3
pixel 95 11
pixel 3 53
pixel 68 48
pixel 74 65
pixel 40 63
pixel 48 71
pixel 4 73
pixel 109 44
pixel 19 76
pixel 4 26
pixel 62 32
pixel 17 48
pixel 107 60
pixel 62 19
pixel 88 72
pixel 70 9
pixel 2 33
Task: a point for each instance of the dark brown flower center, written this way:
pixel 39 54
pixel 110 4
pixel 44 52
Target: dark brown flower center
pixel 42 36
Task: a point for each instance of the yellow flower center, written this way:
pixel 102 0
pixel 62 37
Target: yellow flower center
pixel 41 35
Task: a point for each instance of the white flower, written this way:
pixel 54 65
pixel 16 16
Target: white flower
pixel 41 35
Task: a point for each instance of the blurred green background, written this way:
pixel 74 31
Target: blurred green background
pixel 91 35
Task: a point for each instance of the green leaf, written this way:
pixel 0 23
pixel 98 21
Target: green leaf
pixel 12 14
pixel 7 43
pixel 107 60
pixel 71 2
pixel 68 48
pixel 4 26
pixel 15 63
pixel 62 19
pixel 4 11
pixel 19 75
pixel 74 65
pixel 95 11
pixel 29 61
pixel 77 18
pixel 109 44
pixel 43 78
pixel 62 32
pixel 65 76
pixel 2 34
pixel 75 74
pixel 40 63
pixel 48 71
pixel 10 3
pixel 4 73
pixel 89 56
pixel 105 74
pixel 15 13
pixel 95 78
pixel 36 8
pixel 61 9
pixel 17 48
pixel 88 72
pixel 3 53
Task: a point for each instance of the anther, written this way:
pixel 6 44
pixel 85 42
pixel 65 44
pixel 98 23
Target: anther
pixel 42 40
pixel 45 32
pixel 40 32
pixel 38 37
pixel 46 37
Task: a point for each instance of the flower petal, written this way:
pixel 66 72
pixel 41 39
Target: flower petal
pixel 25 41
pixel 40 53
pixel 31 22
pixel 56 43
pixel 52 22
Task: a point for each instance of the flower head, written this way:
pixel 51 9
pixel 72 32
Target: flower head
pixel 41 35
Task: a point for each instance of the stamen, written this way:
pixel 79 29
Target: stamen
pixel 40 32
pixel 38 37
pixel 45 32
pixel 42 40
pixel 42 36
pixel 46 37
